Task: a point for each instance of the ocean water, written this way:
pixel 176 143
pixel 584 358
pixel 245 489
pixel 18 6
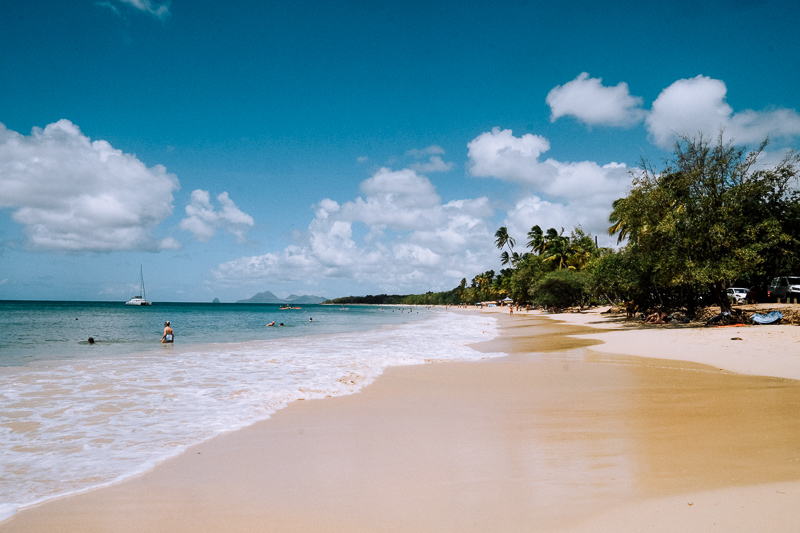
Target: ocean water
pixel 75 416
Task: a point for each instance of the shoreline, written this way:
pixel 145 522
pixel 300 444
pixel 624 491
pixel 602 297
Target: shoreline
pixel 750 350
pixel 76 426
pixel 427 447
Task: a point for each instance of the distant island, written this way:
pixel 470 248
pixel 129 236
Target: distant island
pixel 267 297
pixel 216 301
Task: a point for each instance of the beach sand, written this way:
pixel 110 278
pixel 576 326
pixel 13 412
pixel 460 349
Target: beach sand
pixel 561 435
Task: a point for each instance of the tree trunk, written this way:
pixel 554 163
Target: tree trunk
pixel 721 294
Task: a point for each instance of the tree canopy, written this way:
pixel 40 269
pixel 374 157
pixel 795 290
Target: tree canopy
pixel 711 217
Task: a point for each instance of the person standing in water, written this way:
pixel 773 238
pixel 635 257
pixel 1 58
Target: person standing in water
pixel 169 335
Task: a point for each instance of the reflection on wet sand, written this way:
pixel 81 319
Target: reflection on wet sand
pixel 645 427
pixel 544 439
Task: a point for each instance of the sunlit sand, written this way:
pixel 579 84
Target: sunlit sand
pixel 564 434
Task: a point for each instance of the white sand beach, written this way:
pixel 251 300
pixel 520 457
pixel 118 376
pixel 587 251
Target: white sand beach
pixel 578 429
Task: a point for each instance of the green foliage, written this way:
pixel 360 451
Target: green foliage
pixel 561 288
pixel 549 250
pixel 614 275
pixel 451 297
pixel 706 220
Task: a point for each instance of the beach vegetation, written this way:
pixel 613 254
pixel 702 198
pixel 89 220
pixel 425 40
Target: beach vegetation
pixel 561 288
pixel 712 216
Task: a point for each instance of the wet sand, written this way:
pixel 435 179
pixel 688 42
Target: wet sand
pixel 558 436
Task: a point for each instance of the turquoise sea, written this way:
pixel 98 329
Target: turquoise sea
pixel 40 330
pixel 75 415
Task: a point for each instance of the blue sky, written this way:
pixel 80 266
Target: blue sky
pixel 337 148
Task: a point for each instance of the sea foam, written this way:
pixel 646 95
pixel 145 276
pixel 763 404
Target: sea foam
pixel 68 426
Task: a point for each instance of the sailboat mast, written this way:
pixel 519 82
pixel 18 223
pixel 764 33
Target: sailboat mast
pixel 141 280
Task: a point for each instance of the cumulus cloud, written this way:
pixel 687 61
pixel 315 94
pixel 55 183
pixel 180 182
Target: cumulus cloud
pixel 158 10
pixel 74 194
pixel 588 100
pixel 697 105
pixel 397 236
pixel 203 219
pixel 501 155
pixel 687 107
pixel 555 193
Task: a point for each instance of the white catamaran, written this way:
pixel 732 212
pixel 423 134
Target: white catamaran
pixel 139 300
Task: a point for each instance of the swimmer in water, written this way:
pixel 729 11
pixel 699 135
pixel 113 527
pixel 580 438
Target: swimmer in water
pixel 168 335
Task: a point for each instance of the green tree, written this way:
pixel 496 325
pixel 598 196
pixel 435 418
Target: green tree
pixel 483 285
pixel 503 239
pixel 709 218
pixel 561 288
pixel 528 270
pixel 536 240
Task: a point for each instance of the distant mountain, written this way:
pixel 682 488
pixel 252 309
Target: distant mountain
pixel 267 297
pixel 216 301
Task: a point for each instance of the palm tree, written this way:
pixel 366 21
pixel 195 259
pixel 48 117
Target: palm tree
pixel 536 240
pixel 502 239
pixel 557 249
pixel 483 282
pixel 618 222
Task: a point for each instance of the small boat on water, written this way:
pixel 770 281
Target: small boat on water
pixel 139 300
pixel 284 307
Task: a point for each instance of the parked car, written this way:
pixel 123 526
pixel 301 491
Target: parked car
pixel 784 287
pixel 737 295
pixel 757 294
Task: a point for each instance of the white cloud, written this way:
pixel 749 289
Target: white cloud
pixel 74 194
pixel 158 10
pixel 589 101
pixel 203 219
pixel 697 105
pixel 501 155
pixel 412 241
pixel 399 236
pixel 575 193
pixel 688 107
